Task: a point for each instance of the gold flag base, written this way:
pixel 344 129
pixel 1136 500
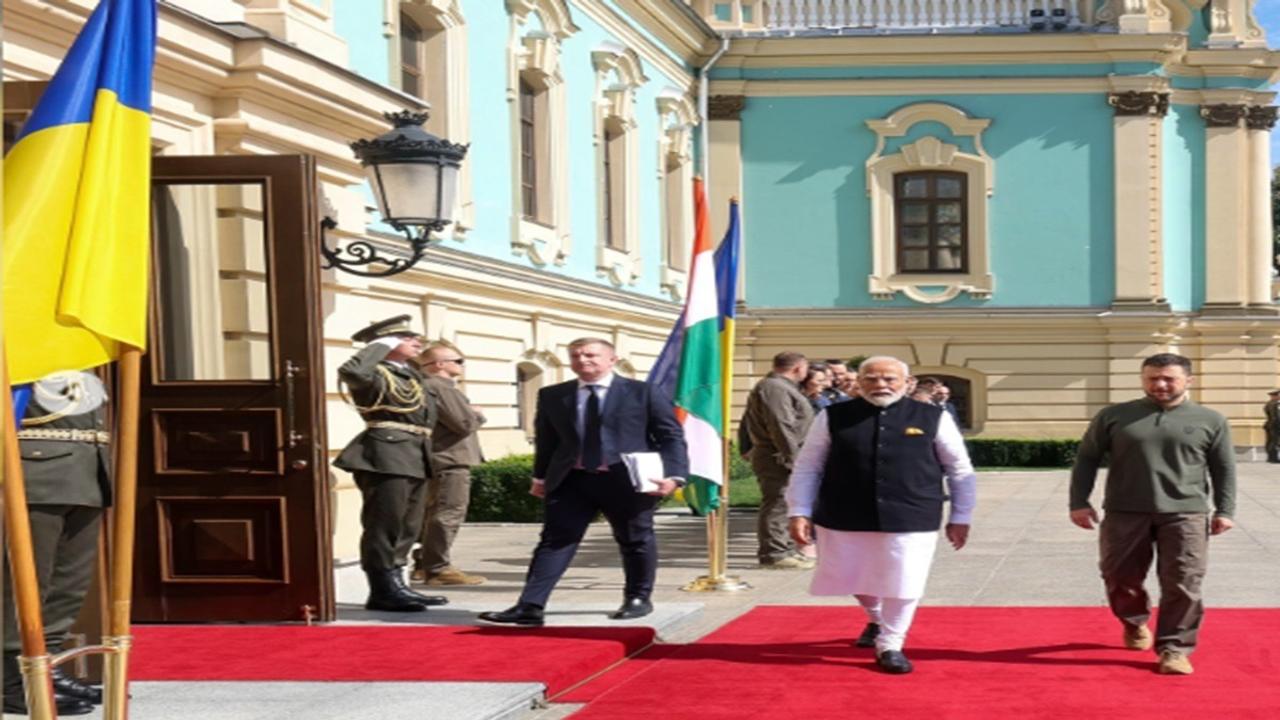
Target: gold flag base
pixel 724 583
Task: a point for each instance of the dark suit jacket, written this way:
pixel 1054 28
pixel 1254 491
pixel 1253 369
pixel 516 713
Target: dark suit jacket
pixel 65 472
pixel 636 417
pixel 386 450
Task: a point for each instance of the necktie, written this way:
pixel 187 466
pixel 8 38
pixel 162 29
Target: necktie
pixel 592 455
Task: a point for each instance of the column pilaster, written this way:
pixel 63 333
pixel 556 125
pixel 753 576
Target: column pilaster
pixel 1259 120
pixel 1227 225
pixel 1139 241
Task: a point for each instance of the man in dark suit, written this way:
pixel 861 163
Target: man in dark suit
pixel 390 459
pixel 66 463
pixel 583 427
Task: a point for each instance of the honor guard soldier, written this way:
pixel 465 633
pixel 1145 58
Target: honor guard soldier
pixel 66 463
pixel 390 459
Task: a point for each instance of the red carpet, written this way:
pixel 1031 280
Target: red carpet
pixel 557 657
pixel 971 663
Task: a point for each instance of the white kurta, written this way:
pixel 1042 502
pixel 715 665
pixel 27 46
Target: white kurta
pixel 884 564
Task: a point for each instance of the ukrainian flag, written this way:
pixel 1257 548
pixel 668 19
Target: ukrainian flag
pixel 77 188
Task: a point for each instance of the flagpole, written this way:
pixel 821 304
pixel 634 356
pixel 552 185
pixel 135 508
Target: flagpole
pixel 35 661
pixel 118 639
pixel 717 579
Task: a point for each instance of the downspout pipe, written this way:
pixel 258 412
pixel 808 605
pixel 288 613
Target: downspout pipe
pixel 704 90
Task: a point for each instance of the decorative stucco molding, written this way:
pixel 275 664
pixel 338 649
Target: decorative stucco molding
pixel 1135 102
pixel 677 118
pixel 929 153
pixel 533 56
pixel 619 73
pixel 1223 115
pixel 726 107
pixel 1261 117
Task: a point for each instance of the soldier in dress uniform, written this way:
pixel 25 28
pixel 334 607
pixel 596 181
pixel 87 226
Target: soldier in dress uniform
pixel 390 458
pixel 66 464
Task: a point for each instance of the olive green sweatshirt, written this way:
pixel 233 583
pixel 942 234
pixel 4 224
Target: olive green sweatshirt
pixel 1159 460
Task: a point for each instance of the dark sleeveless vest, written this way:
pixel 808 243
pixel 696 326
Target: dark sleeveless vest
pixel 882 473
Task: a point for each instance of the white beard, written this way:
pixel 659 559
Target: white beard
pixel 884 400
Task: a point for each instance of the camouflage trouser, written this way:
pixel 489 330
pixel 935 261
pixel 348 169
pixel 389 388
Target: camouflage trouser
pixel 771 523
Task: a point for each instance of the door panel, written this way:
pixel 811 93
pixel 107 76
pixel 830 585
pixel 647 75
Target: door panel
pixel 233 516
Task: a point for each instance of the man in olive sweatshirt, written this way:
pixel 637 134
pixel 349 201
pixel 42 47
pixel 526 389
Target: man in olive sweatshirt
pixel 1170 485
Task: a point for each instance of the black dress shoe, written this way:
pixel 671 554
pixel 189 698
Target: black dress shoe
pixel 521 614
pixel 894 662
pixel 17 705
pixel 68 686
pixel 868 637
pixel 633 608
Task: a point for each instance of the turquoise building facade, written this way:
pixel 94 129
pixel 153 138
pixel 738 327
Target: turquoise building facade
pixel 1111 161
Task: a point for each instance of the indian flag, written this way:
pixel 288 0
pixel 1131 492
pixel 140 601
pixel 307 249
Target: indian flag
pixel 699 384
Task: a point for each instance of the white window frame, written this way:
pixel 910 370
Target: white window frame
pixel 618 75
pixel 929 153
pixel 677 119
pixel 537 29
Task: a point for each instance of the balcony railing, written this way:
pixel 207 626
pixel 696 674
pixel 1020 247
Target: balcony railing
pixel 893 16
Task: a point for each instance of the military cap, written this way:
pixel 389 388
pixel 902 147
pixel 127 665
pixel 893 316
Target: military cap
pixel 398 325
pixel 1274 392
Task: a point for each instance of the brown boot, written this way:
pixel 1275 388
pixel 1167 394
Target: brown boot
pixel 453 576
pixel 1137 637
pixel 1173 662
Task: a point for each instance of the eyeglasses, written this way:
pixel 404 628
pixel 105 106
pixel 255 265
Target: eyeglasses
pixel 460 361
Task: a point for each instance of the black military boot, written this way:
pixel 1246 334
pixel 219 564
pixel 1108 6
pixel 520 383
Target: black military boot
pixel 15 698
pixel 384 594
pixel 72 687
pixel 397 577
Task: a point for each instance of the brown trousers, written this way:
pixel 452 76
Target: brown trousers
pixel 1180 544
pixel 448 494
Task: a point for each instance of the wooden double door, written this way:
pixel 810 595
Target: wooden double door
pixel 233 494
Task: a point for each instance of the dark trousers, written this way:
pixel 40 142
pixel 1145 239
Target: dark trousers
pixel 570 509
pixel 772 534
pixel 391 518
pixel 65 541
pixel 1180 544
pixel 448 494
pixel 1273 444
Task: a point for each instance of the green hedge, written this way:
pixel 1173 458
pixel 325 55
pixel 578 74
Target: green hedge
pixel 500 488
pixel 500 491
pixel 998 452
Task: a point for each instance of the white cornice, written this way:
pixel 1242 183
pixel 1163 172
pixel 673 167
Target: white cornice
pixel 692 40
pixel 650 51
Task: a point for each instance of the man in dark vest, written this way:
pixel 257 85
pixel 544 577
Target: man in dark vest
pixel 390 459
pixel 66 462
pixel 869 478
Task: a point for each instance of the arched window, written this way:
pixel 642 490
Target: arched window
pixel 528 383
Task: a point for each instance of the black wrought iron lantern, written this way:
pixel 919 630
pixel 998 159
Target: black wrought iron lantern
pixel 414 177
